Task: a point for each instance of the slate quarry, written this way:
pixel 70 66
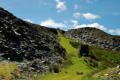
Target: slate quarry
pixel 95 37
pixel 31 49
pixel 36 48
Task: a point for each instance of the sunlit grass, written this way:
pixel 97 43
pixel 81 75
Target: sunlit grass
pixel 8 70
pixel 75 68
pixel 77 64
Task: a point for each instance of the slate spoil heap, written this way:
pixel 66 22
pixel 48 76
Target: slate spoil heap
pixel 31 49
pixel 95 37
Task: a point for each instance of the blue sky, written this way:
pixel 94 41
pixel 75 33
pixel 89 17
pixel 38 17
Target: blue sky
pixel 67 14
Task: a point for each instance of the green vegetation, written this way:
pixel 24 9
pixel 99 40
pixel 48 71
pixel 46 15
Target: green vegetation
pixel 75 68
pixel 54 68
pixel 111 57
pixel 109 74
pixel 8 71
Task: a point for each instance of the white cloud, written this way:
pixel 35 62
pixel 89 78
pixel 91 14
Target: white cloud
pixel 81 26
pixel 90 1
pixel 117 31
pixel 75 22
pixel 60 6
pixel 90 16
pixel 77 15
pixel 29 20
pixel 75 7
pixel 95 25
pixel 53 24
pixel 111 31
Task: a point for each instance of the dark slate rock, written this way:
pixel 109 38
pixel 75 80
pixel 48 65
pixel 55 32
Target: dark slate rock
pixel 84 50
pixel 95 37
pixel 22 43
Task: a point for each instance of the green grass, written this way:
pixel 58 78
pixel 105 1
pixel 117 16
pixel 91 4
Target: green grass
pixel 111 57
pixel 76 68
pixel 8 71
pixel 71 67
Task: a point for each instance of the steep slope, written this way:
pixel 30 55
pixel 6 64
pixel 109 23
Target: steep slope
pixel 96 37
pixel 49 31
pixel 73 69
pixel 33 50
pixel 77 68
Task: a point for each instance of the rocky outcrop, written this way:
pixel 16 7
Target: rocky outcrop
pixel 95 37
pixel 49 31
pixel 20 42
pixel 83 50
pixel 109 74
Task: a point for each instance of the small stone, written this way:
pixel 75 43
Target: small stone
pixel 119 73
pixel 106 74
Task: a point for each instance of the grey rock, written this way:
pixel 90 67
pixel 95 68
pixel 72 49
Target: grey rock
pixel 95 37
pixel 24 43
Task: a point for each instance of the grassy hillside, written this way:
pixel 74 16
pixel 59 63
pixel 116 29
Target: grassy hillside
pixel 73 68
pixel 8 71
pixel 33 48
pixel 76 68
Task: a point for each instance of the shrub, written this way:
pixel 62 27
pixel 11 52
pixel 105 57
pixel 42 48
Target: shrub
pixel 91 62
pixel 54 68
pixel 75 44
pixel 66 72
pixel 79 73
pixel 109 56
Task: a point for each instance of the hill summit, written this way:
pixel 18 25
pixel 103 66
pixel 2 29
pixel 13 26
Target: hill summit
pixel 31 51
pixel 95 37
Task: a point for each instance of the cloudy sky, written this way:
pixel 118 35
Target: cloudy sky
pixel 68 14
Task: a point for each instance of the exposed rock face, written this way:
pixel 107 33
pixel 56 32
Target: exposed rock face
pixel 84 50
pixel 95 37
pixel 20 42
